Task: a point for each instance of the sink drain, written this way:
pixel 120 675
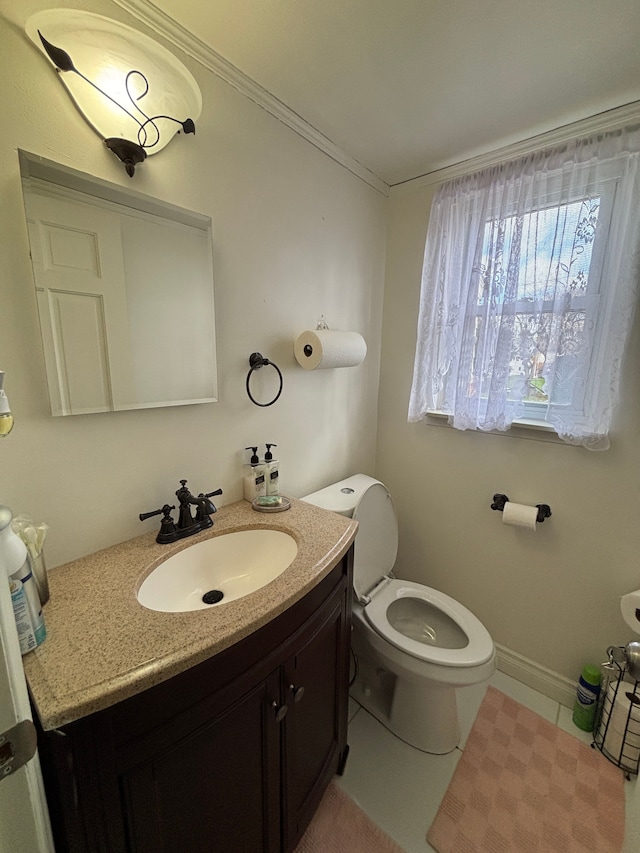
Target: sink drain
pixel 213 596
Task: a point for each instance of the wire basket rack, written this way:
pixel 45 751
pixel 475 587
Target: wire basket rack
pixel 617 722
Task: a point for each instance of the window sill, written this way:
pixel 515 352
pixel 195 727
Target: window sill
pixel 521 428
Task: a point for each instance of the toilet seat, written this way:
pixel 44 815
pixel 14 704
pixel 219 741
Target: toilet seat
pixel 479 649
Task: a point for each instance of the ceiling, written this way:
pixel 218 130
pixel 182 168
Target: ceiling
pixel 405 87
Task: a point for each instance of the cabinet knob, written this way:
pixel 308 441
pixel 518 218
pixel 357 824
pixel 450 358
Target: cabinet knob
pixel 298 692
pixel 280 711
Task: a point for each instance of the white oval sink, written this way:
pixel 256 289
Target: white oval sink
pixel 233 564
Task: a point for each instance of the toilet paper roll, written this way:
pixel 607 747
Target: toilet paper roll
pixel 520 515
pixel 329 348
pixel 622 739
pixel 630 608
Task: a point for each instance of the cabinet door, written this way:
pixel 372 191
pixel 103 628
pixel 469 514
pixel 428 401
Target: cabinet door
pixel 316 689
pixel 215 790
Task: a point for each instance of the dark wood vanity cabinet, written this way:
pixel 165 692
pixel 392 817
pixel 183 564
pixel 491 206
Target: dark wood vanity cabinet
pixel 232 756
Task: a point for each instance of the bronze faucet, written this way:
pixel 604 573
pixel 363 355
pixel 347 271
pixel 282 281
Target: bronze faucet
pixel 187 524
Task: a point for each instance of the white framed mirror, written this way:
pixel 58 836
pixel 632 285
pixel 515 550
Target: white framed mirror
pixel 124 286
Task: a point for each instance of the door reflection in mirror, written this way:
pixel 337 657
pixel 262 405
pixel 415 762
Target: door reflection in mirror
pixel 124 287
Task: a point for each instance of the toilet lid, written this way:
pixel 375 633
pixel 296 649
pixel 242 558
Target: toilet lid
pixel 376 545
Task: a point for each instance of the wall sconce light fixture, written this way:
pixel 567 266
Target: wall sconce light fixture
pixel 127 87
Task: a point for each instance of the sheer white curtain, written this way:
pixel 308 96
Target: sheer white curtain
pixel 529 284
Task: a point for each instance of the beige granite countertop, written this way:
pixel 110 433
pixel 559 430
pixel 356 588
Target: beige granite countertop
pixel 103 646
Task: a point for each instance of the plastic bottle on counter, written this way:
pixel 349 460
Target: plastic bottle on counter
pixel 587 693
pixel 27 608
pixel 254 483
pixel 272 471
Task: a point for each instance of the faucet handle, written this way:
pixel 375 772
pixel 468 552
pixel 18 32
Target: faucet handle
pixel 205 506
pixel 212 495
pixel 167 526
pixel 166 509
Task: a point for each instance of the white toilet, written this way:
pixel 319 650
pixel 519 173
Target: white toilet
pixel 413 645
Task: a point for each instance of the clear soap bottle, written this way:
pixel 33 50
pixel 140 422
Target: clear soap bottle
pixel 254 482
pixel 272 471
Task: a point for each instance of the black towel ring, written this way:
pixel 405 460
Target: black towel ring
pixel 256 361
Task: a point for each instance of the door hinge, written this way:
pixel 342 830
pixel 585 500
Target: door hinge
pixel 17 746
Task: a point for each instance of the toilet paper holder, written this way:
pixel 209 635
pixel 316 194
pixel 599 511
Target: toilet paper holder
pixel 616 731
pixel 544 510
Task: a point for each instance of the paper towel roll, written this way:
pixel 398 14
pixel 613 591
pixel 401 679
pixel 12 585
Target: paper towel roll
pixel 329 348
pixel 630 608
pixel 520 515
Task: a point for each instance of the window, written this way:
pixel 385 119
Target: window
pixel 534 261
pixel 528 290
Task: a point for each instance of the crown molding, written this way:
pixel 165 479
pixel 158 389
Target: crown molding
pixel 600 122
pixel 180 37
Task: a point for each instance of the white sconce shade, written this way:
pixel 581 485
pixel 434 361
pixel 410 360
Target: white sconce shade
pixel 135 94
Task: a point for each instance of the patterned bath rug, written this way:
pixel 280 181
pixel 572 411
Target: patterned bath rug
pixel 340 826
pixel 525 786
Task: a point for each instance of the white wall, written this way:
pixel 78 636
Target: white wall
pixel 295 236
pixel 551 596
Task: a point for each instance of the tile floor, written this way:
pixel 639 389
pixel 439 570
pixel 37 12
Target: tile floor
pixel 400 787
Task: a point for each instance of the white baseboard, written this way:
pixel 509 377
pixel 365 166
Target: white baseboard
pixel 544 680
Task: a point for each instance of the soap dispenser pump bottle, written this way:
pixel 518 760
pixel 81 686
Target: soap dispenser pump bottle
pixel 272 471
pixel 27 608
pixel 254 477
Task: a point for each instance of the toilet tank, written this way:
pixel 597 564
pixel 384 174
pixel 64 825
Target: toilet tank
pixel 342 497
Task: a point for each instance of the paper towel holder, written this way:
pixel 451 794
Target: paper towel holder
pixel 499 500
pixel 308 347
pixel 256 361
